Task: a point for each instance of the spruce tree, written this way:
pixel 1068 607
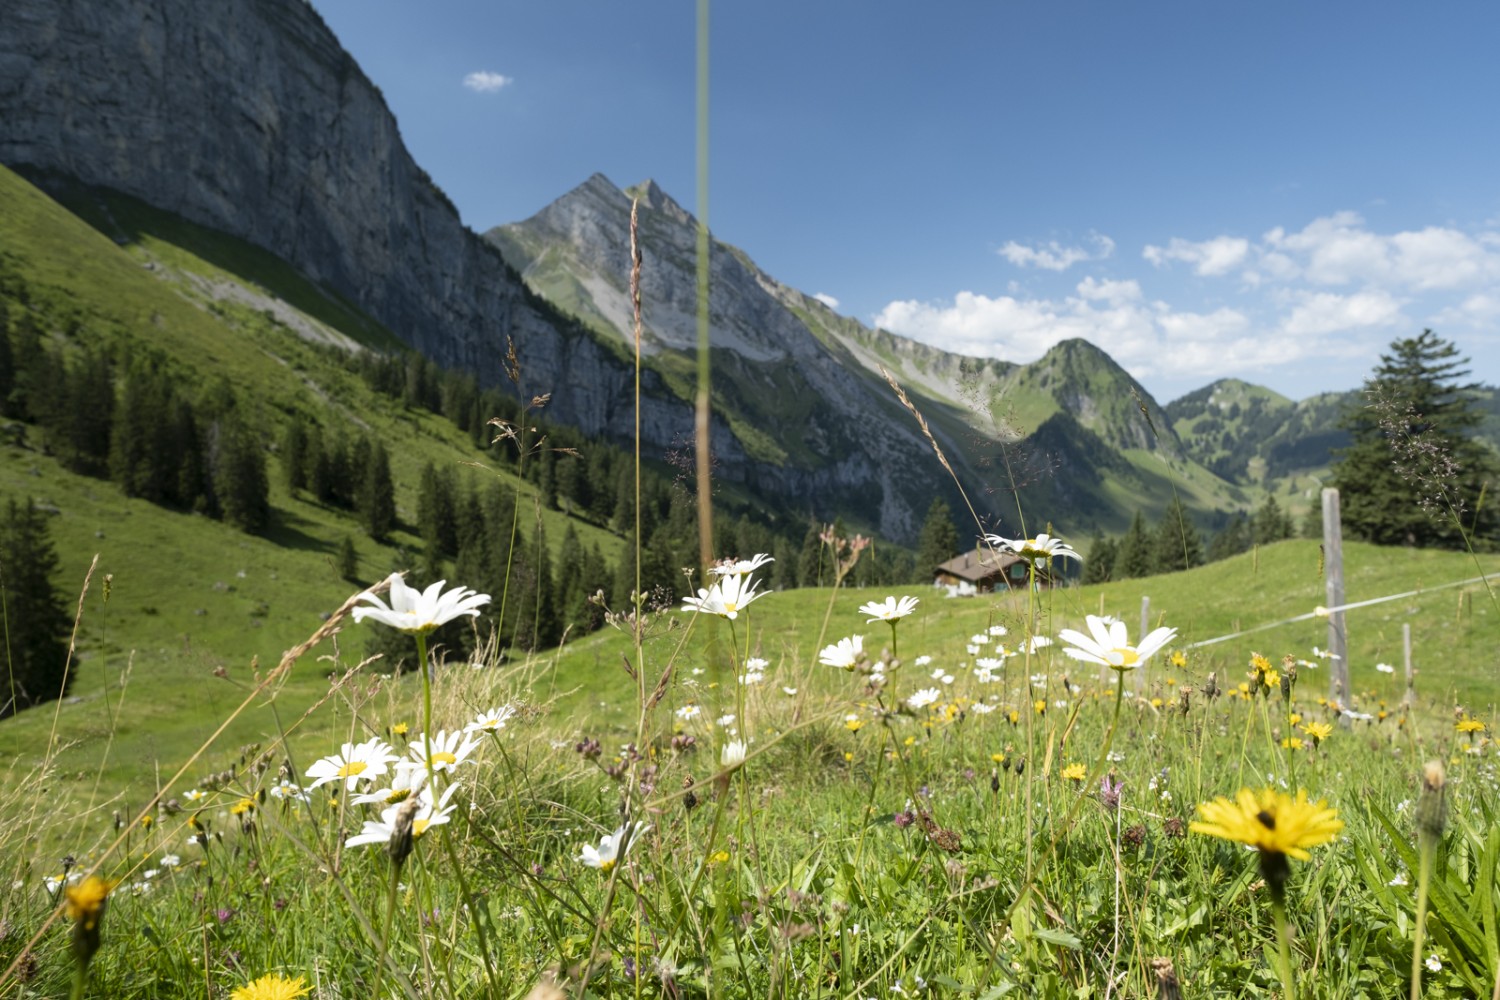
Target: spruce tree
pixel 1233 539
pixel 240 476
pixel 1099 566
pixel 937 543
pixel 1178 544
pixel 377 494
pixel 1414 474
pixel 293 455
pixel 1134 557
pixel 1271 523
pixel 347 560
pixel 33 613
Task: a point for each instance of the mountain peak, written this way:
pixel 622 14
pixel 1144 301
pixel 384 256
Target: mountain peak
pixel 653 197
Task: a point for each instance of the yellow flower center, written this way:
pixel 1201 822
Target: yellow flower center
pixel 444 757
pixel 352 768
pixel 1128 656
pixel 730 607
pixel 420 826
pixel 398 795
pixel 605 866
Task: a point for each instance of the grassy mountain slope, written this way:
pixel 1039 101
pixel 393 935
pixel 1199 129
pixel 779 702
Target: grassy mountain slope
pixel 188 594
pixel 1068 429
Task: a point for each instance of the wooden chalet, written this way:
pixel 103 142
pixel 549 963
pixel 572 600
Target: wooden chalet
pixel 987 571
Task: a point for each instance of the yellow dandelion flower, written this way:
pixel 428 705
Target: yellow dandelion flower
pixel 1467 725
pixel 1293 719
pixel 243 806
pixel 271 987
pixel 718 857
pixel 1271 821
pixel 1014 716
pixel 1075 772
pixel 1259 663
pixel 998 758
pixel 1319 731
pixel 1178 659
pixel 848 757
pixel 1292 743
pixel 1040 706
pixel 400 729
pixel 85 907
pixel 1244 688
pixel 85 901
pixel 1271 678
pixel 1157 703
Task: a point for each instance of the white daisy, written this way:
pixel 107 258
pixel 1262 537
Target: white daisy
pixel 923 698
pixel 492 721
pixel 890 609
pixel 406 778
pixel 354 763
pixel 428 815
pixel 727 598
pixel 1039 550
pixel 447 751
pixel 609 851
pixel 418 611
pixel 844 653
pixel 1109 644
pixel 741 567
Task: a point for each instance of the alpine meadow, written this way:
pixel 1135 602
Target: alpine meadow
pixel 572 609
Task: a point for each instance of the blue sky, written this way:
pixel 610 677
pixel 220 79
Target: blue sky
pixel 1270 191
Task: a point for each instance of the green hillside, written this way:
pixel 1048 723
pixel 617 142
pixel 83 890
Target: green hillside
pixel 1454 630
pixel 187 594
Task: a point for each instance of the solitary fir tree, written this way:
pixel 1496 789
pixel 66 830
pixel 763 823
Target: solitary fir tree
pixel 1414 474
pixel 34 616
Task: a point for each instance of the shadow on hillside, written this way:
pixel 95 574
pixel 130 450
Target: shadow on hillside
pixel 126 220
pixel 287 530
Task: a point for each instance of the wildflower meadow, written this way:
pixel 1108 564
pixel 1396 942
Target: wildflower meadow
pixel 1038 801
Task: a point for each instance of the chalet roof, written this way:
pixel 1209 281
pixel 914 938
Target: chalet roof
pixel 979 564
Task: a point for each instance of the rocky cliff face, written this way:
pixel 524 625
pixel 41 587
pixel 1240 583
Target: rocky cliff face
pixel 249 117
pixel 801 400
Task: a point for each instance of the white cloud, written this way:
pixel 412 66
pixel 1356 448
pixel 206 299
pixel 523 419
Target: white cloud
pixel 1324 312
pixel 1210 258
pixel 1109 291
pixel 1054 256
pixel 826 299
pixel 485 82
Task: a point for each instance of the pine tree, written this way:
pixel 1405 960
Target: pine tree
pixel 1178 544
pixel 1232 540
pixel 937 543
pixel 1271 523
pixel 348 560
pixel 377 494
pixel 35 617
pixel 1414 473
pixel 1099 566
pixel 1134 557
pixel 240 481
pixel 293 455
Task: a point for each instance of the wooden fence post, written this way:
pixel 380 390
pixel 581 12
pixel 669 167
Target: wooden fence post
pixel 1333 580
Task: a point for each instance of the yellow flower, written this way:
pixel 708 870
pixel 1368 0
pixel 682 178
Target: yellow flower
pixel 1271 678
pixel 1292 743
pixel 998 758
pixel 853 722
pixel 1259 663
pixel 1075 772
pixel 1319 731
pixel 1178 659
pixel 85 901
pixel 1273 822
pixel 718 857
pixel 400 729
pixel 1293 719
pixel 242 806
pixel 848 757
pixel 1013 716
pixel 1467 725
pixel 1157 703
pixel 85 907
pixel 271 987
pixel 1040 706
